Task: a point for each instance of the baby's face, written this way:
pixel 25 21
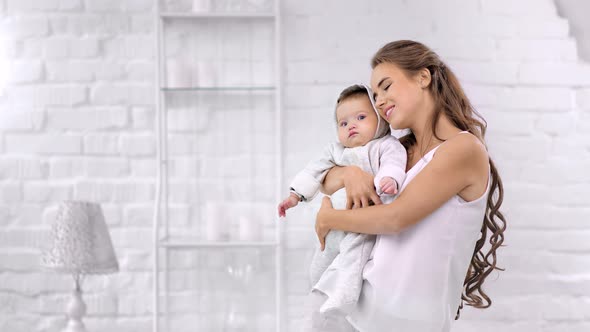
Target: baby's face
pixel 357 122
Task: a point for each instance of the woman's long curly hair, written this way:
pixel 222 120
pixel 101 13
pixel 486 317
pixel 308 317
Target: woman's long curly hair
pixel 450 99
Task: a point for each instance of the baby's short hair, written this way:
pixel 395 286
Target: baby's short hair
pixel 353 91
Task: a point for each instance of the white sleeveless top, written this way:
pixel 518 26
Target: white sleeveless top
pixel 414 281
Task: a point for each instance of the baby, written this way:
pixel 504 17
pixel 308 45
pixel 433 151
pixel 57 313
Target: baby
pixel 364 140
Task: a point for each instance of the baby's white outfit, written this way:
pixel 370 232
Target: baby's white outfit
pixel 337 271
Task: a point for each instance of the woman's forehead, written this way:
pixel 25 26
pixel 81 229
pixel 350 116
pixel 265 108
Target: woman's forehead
pixel 384 71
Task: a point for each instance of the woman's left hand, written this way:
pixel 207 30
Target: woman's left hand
pixel 321 227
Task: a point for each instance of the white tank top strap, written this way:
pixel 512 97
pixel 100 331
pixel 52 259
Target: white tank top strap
pixel 459 133
pixel 431 152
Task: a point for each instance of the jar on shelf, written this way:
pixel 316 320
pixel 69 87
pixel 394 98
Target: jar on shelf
pixel 216 225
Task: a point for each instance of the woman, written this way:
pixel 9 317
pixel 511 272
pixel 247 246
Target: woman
pixel 429 255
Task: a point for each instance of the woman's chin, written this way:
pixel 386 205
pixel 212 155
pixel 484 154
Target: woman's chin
pixel 398 129
pixel 396 126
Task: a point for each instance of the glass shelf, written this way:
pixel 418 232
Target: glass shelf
pixel 217 15
pixel 219 88
pixel 187 243
pixel 218 263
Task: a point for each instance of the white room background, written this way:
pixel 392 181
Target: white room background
pixel 77 122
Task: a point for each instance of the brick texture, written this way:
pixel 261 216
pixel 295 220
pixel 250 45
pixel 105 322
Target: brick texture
pixel 77 122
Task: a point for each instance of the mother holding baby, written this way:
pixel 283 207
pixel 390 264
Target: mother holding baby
pixel 429 258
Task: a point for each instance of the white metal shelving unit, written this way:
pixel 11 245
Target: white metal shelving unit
pixel 164 241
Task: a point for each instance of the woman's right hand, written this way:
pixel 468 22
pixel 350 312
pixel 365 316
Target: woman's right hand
pixel 360 190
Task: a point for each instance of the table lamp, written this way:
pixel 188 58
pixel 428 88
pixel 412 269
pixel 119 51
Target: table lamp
pixel 80 245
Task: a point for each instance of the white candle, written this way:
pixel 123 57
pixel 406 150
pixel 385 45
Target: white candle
pixel 215 222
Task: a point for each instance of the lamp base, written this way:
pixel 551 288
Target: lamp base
pixel 76 310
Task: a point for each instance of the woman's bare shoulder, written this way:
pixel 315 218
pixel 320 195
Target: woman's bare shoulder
pixel 465 147
pixel 468 154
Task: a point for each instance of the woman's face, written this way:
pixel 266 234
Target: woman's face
pixel 398 98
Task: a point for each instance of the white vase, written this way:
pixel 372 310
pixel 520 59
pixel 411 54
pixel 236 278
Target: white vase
pixel 216 226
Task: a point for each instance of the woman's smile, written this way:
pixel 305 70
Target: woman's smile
pixel 387 111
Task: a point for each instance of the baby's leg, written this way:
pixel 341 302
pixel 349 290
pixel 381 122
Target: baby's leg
pixel 316 322
pixel 342 280
pixel 323 259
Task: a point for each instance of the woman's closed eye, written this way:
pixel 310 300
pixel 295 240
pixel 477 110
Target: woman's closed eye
pixel 385 88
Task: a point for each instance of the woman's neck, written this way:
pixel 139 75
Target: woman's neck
pixel 425 138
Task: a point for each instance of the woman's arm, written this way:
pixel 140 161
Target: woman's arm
pixel 358 183
pixel 456 165
pixel 334 180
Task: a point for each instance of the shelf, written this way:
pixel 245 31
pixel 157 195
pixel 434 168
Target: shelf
pixel 219 88
pixel 218 15
pixel 187 243
pixel 232 71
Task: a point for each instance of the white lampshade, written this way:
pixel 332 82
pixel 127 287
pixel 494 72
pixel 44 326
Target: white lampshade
pixel 80 242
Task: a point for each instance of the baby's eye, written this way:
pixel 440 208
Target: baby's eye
pixel 361 117
pixel 343 124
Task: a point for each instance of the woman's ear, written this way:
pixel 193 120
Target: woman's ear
pixel 424 77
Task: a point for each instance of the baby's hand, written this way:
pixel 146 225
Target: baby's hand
pixel 288 203
pixel 388 185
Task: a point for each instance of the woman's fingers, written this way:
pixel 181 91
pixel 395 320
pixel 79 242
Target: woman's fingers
pixel 357 203
pixel 359 186
pixel 375 198
pixel 326 202
pixel 349 202
pixel 319 229
pixel 322 241
pixel 364 201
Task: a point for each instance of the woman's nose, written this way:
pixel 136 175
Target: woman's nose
pixel 379 102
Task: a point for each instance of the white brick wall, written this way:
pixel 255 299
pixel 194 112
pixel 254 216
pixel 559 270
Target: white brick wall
pixel 76 121
pixel 520 67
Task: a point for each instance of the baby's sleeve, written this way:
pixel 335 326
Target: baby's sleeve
pixel 307 182
pixel 392 161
